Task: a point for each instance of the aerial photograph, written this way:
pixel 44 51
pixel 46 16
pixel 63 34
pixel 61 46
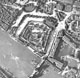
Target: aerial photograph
pixel 39 38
